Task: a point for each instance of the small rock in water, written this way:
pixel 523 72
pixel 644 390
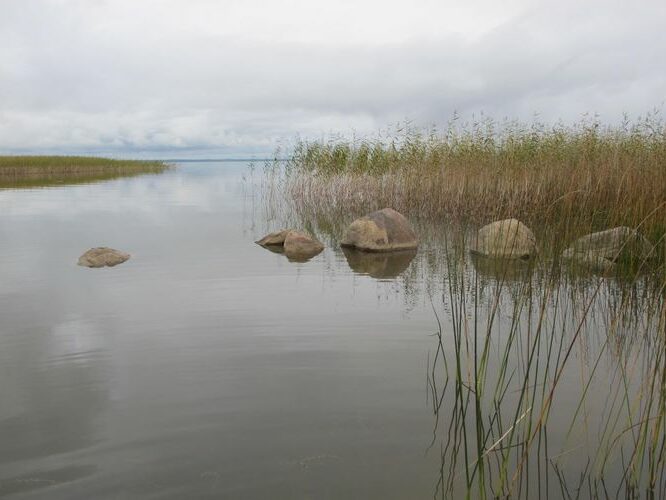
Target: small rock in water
pixel 102 256
pixel 301 247
pixel 382 231
pixel 506 239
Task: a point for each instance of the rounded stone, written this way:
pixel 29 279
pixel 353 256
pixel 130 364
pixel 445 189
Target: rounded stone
pixel 102 257
pixel 506 239
pixel 382 231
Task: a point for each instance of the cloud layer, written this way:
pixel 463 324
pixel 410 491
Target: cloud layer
pixel 228 77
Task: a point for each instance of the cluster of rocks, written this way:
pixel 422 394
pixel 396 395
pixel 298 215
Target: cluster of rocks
pixel 388 232
pixel 382 231
pixel 296 245
pixel 599 252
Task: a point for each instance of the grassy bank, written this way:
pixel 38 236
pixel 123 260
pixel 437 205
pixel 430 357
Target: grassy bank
pixel 25 171
pixel 568 179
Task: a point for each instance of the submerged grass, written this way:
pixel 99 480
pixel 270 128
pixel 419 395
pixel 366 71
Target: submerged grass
pixel 568 180
pixel 546 384
pixel 33 171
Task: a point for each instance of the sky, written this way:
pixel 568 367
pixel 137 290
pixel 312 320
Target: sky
pixel 188 78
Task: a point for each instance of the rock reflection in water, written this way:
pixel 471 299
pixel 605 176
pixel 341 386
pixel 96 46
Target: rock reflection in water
pixel 502 269
pixel 379 265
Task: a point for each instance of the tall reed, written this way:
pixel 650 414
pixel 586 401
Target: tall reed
pixel 569 179
pixel 544 383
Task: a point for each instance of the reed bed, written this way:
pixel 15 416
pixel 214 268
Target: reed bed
pixel 28 171
pixel 568 180
pixel 544 380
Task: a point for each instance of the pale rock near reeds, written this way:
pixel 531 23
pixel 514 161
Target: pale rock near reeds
pixel 600 251
pixel 102 257
pixel 300 246
pixel 506 239
pixel 382 231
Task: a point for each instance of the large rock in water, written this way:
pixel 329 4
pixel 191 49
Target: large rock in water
pixel 506 239
pixel 102 257
pixel 300 247
pixel 381 231
pixel 600 251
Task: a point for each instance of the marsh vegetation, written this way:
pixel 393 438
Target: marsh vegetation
pixel 564 181
pixel 33 171
pixel 544 378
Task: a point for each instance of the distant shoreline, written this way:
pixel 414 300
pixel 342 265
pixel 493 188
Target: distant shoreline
pixel 28 170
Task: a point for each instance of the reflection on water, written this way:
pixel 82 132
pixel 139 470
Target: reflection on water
pixel 502 270
pixel 378 265
pixel 206 367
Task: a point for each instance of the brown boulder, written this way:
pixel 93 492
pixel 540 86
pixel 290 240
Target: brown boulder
pixel 382 231
pixel 102 256
pixel 300 246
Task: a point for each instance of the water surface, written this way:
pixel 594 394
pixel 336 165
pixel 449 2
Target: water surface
pixel 205 366
pixel 209 367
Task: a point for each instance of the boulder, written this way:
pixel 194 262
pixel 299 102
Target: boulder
pixel 602 250
pixel 276 238
pixel 300 247
pixel 382 231
pixel 102 256
pixel 385 265
pixel 506 239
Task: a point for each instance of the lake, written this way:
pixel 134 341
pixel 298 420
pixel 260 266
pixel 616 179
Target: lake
pixel 209 367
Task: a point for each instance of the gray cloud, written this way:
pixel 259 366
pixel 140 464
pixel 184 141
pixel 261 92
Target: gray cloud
pixel 232 77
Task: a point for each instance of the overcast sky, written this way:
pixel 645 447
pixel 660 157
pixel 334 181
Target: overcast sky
pixel 237 77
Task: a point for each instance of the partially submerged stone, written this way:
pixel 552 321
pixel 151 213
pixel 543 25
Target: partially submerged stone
pixel 382 231
pixel 506 239
pixel 296 245
pixel 612 244
pixel 300 247
pixel 275 238
pixel 600 251
pixel 102 257
pixel 384 265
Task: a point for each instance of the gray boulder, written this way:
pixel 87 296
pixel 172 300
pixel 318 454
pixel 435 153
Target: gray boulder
pixel 102 257
pixel 381 231
pixel 602 250
pixel 506 239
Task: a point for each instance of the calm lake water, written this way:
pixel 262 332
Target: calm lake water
pixel 207 366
